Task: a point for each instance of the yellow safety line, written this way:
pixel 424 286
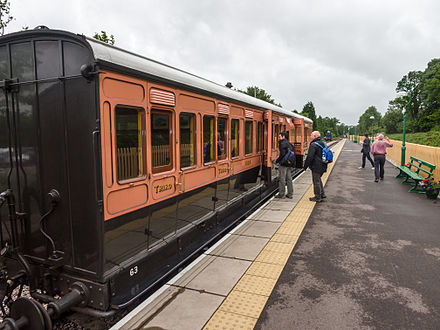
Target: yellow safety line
pixel 243 306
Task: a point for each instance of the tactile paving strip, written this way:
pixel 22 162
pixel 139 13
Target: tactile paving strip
pixel 243 306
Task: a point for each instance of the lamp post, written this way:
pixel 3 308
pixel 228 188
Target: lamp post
pixel 402 93
pixel 372 128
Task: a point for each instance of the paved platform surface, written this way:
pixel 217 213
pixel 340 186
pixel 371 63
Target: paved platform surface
pixel 228 286
pixel 368 258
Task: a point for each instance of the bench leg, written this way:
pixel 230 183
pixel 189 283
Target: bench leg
pixel 401 174
pixel 415 190
pixel 406 180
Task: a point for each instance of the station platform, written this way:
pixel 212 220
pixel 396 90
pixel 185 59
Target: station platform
pixel 367 257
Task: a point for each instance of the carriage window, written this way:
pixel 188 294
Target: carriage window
pixel 129 143
pixel 260 138
pixel 161 141
pixel 248 137
pixel 276 132
pixel 208 139
pixel 187 140
pixel 221 138
pixel 234 138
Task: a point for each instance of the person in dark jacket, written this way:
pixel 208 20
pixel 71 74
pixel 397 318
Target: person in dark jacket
pixel 316 165
pixel 285 169
pixel 366 152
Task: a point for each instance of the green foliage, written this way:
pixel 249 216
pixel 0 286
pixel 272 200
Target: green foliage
pixel 366 124
pixel 105 38
pixel 309 112
pixel 5 16
pixel 330 124
pixel 422 104
pixel 431 138
pixel 393 118
pixel 259 93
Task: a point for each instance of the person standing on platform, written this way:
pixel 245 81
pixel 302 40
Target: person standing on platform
pixel 285 170
pixel 316 165
pixel 366 152
pixel 379 150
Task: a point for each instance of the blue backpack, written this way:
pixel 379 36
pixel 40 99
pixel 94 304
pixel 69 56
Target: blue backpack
pixel 327 154
pixel 289 158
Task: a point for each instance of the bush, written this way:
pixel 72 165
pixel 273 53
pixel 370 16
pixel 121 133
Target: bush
pixel 431 138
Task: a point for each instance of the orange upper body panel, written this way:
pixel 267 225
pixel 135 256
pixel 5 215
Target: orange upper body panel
pixel 150 186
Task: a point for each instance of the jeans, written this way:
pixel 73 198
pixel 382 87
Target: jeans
pixel 318 188
pixel 285 178
pixel 366 155
pixel 379 163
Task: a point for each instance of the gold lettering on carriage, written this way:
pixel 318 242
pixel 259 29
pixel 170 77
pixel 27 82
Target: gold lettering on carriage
pixel 222 170
pixel 162 188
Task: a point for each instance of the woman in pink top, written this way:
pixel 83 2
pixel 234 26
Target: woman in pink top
pixel 379 149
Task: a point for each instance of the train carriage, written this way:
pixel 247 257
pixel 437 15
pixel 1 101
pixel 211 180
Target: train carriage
pixel 116 169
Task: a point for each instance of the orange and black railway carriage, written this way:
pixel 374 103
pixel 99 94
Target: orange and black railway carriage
pixel 122 168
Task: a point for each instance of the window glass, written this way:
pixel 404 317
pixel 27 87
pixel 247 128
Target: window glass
pixel 221 138
pixel 248 137
pixel 260 143
pixel 234 138
pixel 129 143
pixel 275 136
pixel 161 141
pixel 208 139
pixel 187 140
pixel 4 66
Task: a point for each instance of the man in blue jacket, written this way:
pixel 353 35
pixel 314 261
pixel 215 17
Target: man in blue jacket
pixel 285 169
pixel 318 167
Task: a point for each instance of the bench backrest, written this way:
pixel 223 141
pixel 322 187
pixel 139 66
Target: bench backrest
pixel 430 167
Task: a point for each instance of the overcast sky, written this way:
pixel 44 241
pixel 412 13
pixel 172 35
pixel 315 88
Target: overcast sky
pixel 343 55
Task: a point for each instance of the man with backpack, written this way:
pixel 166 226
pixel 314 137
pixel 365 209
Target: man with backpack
pixel 316 162
pixel 286 161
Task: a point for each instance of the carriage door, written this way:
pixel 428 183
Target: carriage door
pixel 123 126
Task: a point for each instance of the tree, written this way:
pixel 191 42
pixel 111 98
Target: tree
pixel 411 83
pixel 5 16
pixel 259 93
pixel 393 118
pixel 309 111
pixel 365 124
pixel 429 116
pixel 105 38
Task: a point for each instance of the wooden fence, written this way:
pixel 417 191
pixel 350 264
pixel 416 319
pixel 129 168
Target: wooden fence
pixel 129 162
pixel 426 153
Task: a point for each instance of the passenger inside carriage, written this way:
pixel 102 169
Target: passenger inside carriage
pixel 207 152
pixel 220 146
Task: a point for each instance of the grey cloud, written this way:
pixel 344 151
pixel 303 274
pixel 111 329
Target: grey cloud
pixel 343 55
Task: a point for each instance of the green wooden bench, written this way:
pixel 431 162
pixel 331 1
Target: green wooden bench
pixel 411 173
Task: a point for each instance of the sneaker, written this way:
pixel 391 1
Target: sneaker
pixel 376 180
pixel 323 196
pixel 280 196
pixel 381 179
pixel 372 168
pixel 314 199
pixel 289 197
pixel 360 167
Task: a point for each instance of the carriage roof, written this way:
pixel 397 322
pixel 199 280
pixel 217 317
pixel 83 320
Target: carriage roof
pixel 116 56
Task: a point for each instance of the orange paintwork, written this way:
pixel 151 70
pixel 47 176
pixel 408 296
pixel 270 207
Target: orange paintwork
pixel 129 195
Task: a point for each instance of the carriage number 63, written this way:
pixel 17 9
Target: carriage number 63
pixel 134 270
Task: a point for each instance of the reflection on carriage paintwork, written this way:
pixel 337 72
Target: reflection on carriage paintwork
pixel 195 205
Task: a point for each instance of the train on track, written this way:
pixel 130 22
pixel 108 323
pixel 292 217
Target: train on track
pixel 116 169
